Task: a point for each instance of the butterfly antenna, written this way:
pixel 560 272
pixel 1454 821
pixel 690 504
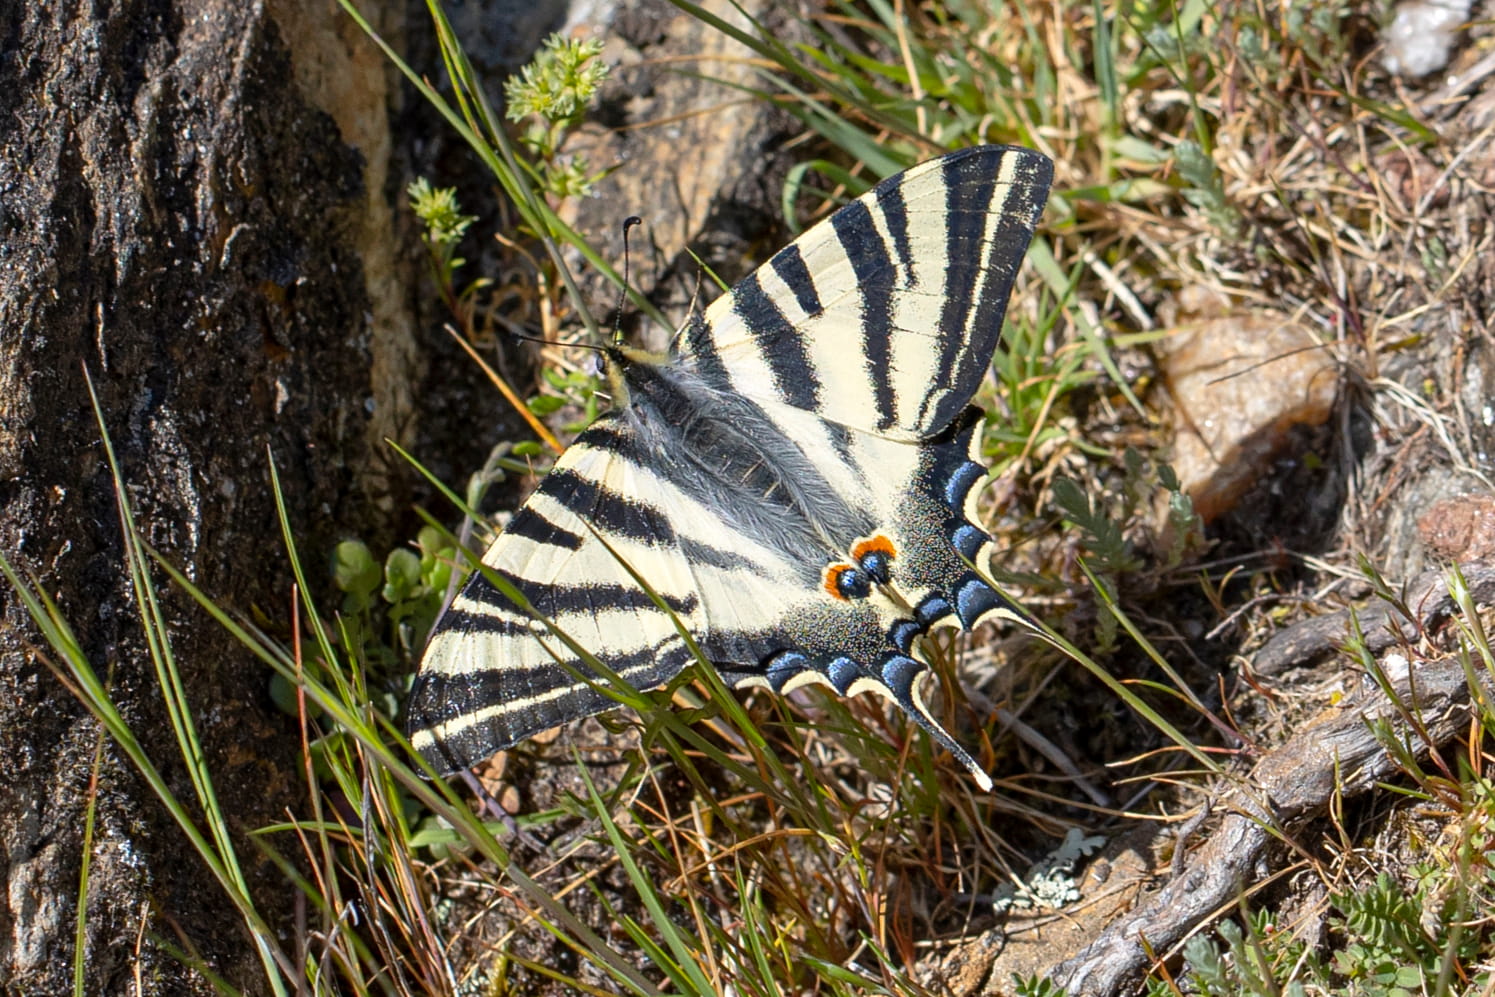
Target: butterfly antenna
pixel 525 337
pixel 628 223
pixel 692 312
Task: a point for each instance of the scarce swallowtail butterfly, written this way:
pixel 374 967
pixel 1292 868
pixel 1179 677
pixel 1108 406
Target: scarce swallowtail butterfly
pixel 795 479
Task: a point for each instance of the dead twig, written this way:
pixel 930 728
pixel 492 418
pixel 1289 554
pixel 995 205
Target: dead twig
pixel 1335 757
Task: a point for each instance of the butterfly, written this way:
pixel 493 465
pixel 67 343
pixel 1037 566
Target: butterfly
pixel 794 480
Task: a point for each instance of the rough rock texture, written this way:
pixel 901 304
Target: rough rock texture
pixel 702 166
pixel 198 209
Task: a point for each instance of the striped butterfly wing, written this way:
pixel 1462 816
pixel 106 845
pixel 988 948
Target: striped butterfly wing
pixel 885 316
pixel 493 673
pixel 794 480
pixel 728 567
pixel 856 631
pixel 740 572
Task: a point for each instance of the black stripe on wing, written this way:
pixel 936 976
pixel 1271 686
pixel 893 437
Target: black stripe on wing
pixel 696 552
pixel 968 199
pixel 535 700
pixel 552 600
pixel 980 273
pixel 607 511
pixel 530 525
pixel 556 601
pixel 789 264
pixel 841 441
pixel 894 209
pixel 511 622
pixel 780 344
pixel 873 268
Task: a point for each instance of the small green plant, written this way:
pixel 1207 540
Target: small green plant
pixel 1258 961
pixel 387 608
pixel 1399 941
pixel 576 388
pixel 1036 986
pixel 1205 189
pixel 1385 949
pixel 400 598
pixel 550 97
pixel 1320 31
pixel 1110 552
pixel 1183 526
pixel 1380 945
pixel 445 224
pixel 1103 527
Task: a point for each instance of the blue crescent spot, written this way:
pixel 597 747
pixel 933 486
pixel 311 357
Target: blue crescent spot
pixel 899 672
pixel 934 608
pixel 785 666
pixel 959 484
pixel 972 598
pixel 842 672
pixel 968 540
pixel 901 634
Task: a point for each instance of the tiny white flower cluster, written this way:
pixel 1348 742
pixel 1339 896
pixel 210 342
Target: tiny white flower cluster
pixel 1421 35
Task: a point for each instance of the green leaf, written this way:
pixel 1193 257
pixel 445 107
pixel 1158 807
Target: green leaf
pixel 354 570
pixel 401 574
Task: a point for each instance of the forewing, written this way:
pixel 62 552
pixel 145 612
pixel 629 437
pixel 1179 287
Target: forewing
pixel 493 675
pixel 884 317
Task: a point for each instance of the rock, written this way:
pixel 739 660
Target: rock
pixel 1421 35
pixel 1239 383
pixel 202 208
pixel 1460 529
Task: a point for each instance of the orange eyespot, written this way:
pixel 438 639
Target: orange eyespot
pixel 875 556
pixel 846 582
pixel 831 580
pixel 878 544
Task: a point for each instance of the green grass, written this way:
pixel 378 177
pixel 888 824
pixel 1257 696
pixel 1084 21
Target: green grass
pixel 821 846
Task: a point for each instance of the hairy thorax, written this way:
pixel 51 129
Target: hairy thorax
pixel 725 450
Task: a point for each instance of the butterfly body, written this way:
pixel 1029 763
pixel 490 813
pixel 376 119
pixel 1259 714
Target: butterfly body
pixel 794 480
